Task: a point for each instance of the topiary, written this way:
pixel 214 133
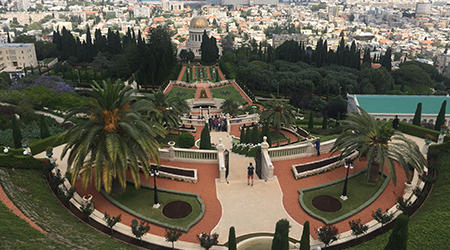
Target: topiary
pixel 17 135
pixel 281 238
pixel 304 242
pixel 185 140
pixel 232 239
pixel 205 138
pixel 43 128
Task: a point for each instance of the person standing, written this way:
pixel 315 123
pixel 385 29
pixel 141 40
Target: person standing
pixel 250 172
pixel 395 122
pixel 317 143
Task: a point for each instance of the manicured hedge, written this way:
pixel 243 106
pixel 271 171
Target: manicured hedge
pixel 414 130
pixel 52 141
pixel 23 162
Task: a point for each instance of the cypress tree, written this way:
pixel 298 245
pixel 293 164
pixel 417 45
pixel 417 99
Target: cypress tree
pixel 43 128
pixel 17 135
pixel 325 121
pixel 386 60
pixel 418 115
pixel 281 238
pixel 255 135
pixel 205 138
pixel 441 117
pixel 399 236
pixel 242 136
pixel 311 120
pixel 232 239
pixel 304 242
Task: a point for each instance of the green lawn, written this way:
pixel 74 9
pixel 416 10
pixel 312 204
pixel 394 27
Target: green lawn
pixel 358 192
pixel 141 202
pixel 31 194
pixel 182 93
pixel 228 92
pixel 429 228
pixel 275 137
pixel 13 229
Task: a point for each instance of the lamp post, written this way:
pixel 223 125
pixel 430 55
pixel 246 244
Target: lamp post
pixel 154 172
pixel 348 165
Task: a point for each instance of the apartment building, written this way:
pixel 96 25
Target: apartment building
pixel 17 56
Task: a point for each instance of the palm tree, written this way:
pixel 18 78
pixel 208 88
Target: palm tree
pixel 229 106
pixel 381 145
pixel 167 110
pixel 113 139
pixel 277 113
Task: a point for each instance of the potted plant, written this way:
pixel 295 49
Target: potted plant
pixel 429 138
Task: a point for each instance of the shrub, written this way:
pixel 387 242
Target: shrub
pixel 382 218
pixel 139 229
pixel 281 238
pixel 252 151
pixel 111 221
pixel 357 227
pixel 399 236
pixel 232 239
pixel 441 116
pixel 185 140
pixel 207 241
pixel 52 141
pixel 418 192
pixel 403 205
pixel 87 209
pixel 304 242
pixel 172 235
pixel 22 161
pixel 411 129
pixel 418 115
pixel 255 135
pixel 205 138
pixel 17 135
pixel 43 128
pixel 327 234
pixel 242 135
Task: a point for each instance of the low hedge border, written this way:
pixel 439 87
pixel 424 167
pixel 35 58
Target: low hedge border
pixel 345 216
pixel 52 141
pixel 418 131
pixel 156 222
pixel 23 162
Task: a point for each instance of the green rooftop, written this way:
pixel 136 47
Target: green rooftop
pixel 401 104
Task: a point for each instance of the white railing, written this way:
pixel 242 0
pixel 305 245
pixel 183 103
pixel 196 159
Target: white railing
pixel 193 121
pixel 299 150
pixel 245 119
pixel 195 154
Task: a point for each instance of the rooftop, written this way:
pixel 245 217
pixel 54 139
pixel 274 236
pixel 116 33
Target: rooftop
pixel 393 104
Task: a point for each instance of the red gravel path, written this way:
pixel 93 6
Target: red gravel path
pixel 180 76
pixel 290 188
pixel 10 205
pixel 206 187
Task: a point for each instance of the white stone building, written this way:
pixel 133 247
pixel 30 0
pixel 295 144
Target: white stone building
pixel 15 57
pixel 197 26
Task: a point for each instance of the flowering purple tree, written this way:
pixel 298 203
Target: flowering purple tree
pixel 52 83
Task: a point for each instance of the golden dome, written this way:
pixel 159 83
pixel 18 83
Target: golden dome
pixel 199 22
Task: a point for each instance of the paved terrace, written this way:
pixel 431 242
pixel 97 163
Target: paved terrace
pixel 248 209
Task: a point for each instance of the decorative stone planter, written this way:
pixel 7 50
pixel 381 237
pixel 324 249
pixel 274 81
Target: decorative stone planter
pixel 87 199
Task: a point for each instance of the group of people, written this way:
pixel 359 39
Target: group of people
pixel 217 123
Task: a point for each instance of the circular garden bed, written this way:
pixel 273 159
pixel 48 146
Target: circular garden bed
pixel 177 209
pixel 326 203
